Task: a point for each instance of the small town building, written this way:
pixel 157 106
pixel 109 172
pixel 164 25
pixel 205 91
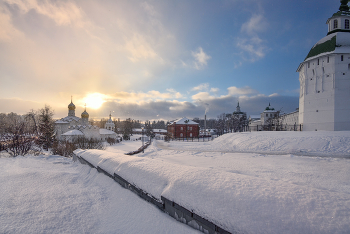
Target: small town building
pixel 183 128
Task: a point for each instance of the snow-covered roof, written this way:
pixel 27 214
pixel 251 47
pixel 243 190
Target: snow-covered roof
pixel 106 131
pixel 335 43
pixel 68 119
pixel 254 116
pixel 73 133
pixel 184 120
pixel 61 122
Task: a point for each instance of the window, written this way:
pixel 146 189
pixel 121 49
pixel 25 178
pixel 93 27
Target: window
pixel 335 24
pixel 182 128
pixel 267 115
pixel 318 61
pixel 181 135
pixel 190 134
pixel 328 59
pixel 346 24
pixel 342 58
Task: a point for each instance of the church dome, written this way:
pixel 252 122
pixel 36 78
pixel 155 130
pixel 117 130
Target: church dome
pixel 269 108
pixel 85 115
pixel 71 106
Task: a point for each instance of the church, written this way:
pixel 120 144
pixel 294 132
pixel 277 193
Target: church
pixel 72 127
pixel 324 78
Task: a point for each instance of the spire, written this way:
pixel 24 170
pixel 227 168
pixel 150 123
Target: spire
pixel 344 5
pixel 238 108
pixel 110 115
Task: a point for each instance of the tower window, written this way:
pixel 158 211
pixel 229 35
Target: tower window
pixel 342 58
pixel 335 24
pixel 346 24
pixel 328 59
pixel 308 64
pixel 318 61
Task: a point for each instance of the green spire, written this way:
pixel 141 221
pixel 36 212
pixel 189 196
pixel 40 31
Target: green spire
pixel 344 5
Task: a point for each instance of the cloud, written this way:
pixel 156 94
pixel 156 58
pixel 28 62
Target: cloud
pixel 18 105
pixel 139 48
pixel 201 58
pixel 61 12
pixel 214 90
pixel 7 30
pixel 157 105
pixel 250 46
pixel 256 24
pixel 234 91
pixel 200 87
pixel 132 97
pixel 252 49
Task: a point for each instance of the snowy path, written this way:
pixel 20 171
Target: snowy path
pixel 54 195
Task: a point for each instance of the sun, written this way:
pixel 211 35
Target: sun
pixel 94 100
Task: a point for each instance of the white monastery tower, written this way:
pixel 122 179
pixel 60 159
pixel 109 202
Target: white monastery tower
pixel 324 75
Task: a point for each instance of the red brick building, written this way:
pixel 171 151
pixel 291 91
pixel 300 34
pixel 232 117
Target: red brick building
pixel 183 128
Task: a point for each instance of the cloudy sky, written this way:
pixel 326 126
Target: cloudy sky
pixel 156 59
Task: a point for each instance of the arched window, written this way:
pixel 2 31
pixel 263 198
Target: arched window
pixel 346 24
pixel 335 24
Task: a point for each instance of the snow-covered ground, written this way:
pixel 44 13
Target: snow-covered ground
pixel 261 182
pixel 51 194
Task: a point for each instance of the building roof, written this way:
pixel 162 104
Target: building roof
pixel 254 116
pixel 335 43
pixel 326 44
pixel 68 119
pixel 73 133
pixel 183 120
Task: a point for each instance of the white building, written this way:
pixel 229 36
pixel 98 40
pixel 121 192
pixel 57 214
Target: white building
pixel 324 78
pixel 71 127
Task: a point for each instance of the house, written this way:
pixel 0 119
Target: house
pixel 183 128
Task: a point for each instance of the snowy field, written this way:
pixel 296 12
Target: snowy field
pixel 51 194
pixel 261 182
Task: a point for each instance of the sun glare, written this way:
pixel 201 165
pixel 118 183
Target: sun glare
pixel 94 100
